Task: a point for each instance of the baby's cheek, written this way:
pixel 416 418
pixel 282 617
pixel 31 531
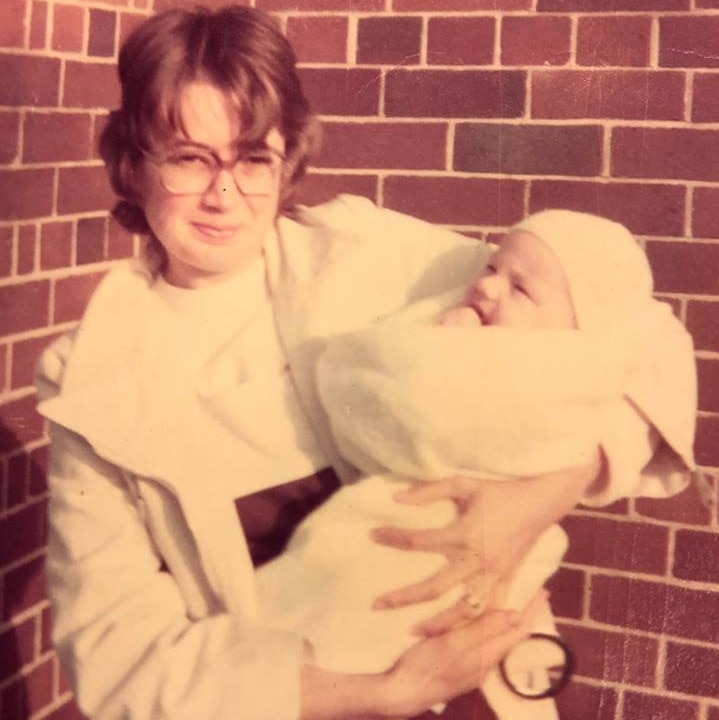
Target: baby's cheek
pixel 465 316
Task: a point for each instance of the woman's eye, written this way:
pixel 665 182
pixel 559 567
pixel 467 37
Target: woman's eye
pixel 258 159
pixel 188 159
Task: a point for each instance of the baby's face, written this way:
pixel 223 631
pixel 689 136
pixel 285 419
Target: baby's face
pixel 522 286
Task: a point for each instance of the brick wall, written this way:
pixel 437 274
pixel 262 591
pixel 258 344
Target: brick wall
pixel 469 113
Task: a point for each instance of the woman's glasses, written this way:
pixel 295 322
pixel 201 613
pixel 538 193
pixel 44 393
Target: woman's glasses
pixel 192 171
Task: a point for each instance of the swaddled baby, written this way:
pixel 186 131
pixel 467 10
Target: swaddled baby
pixel 543 359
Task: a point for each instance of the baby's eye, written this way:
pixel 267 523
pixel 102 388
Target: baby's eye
pixel 489 269
pixel 522 290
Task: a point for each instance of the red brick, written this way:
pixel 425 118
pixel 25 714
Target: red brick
pixel 699 4
pixel 457 201
pixel 588 702
pixel 91 233
pixel 24 357
pixel 460 41
pixel 318 39
pixel 29 80
pixel 706 444
pixel 448 93
pixel 17 648
pixel 12 18
pixel 689 41
pixel 703 324
pixel 714 710
pixel 708 377
pixel 335 91
pixel 528 149
pixel 54 137
pixel 101 41
pixel 642 706
pixel 18 470
pixel 19 424
pixel 679 153
pixel 695 556
pixel 644 209
pixel 39 686
pixel 72 294
pixel 613 656
pixel 25 193
pixel 460 5
pixel 684 267
pixel 318 188
pixel 56 245
pixel 567 588
pixel 383 145
pixel 120 243
pixel 10 133
pixel 68 28
pixel 535 40
pixel 26 244
pixel 655 607
pixel 174 4
pixel 91 85
pixel 607 543
pixel 389 40
pixel 686 507
pixel 6 243
pixel 46 630
pixel 3 380
pixel 692 670
pixel 38 25
pixel 84 189
pixel 25 306
pixel 310 5
pixel 38 468
pixel 623 94
pixel 619 41
pixel 705 219
pixel 705 98
pixel 25 586
pixel 611 6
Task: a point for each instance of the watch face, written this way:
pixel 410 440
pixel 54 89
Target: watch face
pixel 538 667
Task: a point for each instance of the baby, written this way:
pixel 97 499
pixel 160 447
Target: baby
pixel 544 358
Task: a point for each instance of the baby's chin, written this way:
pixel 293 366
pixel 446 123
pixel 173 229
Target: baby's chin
pixel 464 316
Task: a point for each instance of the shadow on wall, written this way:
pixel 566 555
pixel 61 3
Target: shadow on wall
pixel 29 672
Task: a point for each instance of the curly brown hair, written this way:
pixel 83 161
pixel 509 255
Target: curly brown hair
pixel 241 51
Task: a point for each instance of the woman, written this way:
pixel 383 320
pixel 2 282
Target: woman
pixel 185 397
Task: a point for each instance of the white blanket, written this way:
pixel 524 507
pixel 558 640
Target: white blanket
pixel 430 402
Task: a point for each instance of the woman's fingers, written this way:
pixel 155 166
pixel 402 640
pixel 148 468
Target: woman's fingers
pixel 435 540
pixel 421 493
pixel 428 589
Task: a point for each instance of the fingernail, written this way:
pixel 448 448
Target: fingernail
pixel 381 604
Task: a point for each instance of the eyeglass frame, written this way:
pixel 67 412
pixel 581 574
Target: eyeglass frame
pixel 219 166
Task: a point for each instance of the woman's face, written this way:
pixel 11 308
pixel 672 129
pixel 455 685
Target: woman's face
pixel 215 232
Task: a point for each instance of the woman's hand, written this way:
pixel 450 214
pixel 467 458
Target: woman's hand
pixel 432 671
pixel 496 525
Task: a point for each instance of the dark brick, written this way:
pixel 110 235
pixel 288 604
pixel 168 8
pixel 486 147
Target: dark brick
pixel 655 607
pixel 610 6
pixel 29 80
pixel 17 648
pixel 25 586
pixel 335 91
pixel 607 543
pixel 91 85
pixel 620 41
pixel 27 529
pixel 686 41
pixel 706 444
pixel 567 587
pixel 26 245
pixel 24 357
pixel 389 40
pixel 25 306
pixel 447 93
pixel 677 153
pixel 25 193
pixel 318 188
pixel 457 201
pixel 587 702
pixel 56 245
pixel 309 5
pixel 536 40
pixel 644 209
pixel 613 656
pixel 383 145
pixel 684 267
pixel 91 233
pixel 692 670
pixel 84 189
pixel 686 507
pixel 528 149
pixel 642 706
pixel 705 98
pixel 705 218
pixel 695 556
pixel 38 25
pixel 72 294
pixel 460 40
pixel 460 5
pixel 598 93
pixel 101 42
pixel 54 137
pixel 10 133
pixel 703 324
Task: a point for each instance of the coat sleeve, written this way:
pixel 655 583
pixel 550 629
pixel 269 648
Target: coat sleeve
pixel 121 626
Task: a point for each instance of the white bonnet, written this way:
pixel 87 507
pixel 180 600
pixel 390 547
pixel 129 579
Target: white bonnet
pixel 607 271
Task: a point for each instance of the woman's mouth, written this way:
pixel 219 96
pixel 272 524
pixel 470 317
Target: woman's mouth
pixel 216 233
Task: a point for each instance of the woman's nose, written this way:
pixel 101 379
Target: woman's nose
pixel 223 192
